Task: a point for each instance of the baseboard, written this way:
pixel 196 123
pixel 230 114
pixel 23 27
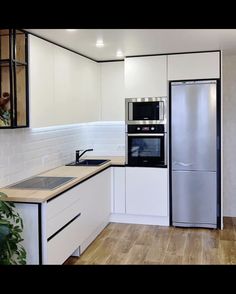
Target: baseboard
pixel 140 219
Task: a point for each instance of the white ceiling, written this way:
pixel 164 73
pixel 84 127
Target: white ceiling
pixel 141 41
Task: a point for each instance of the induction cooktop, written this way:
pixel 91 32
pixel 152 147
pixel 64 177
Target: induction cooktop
pixel 42 183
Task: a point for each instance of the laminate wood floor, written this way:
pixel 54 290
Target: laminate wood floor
pixel 148 244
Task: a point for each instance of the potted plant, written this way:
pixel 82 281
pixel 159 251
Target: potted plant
pixel 11 227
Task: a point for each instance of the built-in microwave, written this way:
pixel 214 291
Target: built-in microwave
pixel 150 110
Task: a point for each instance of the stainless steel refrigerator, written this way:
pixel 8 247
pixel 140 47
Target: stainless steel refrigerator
pixel 193 110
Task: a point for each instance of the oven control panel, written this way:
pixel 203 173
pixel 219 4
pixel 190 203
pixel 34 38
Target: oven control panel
pixel 146 128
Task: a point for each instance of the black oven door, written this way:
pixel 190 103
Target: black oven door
pixel 146 149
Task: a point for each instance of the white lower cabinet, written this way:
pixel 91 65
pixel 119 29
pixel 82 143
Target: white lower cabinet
pixel 75 218
pixel 146 191
pixel 118 190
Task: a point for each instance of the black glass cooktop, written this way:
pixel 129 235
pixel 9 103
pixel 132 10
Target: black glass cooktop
pixel 42 183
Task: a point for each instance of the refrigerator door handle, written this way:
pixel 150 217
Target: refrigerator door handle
pixel 182 163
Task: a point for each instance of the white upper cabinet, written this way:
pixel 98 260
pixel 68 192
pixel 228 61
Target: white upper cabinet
pixel 41 82
pixel 112 91
pixel 194 66
pixel 64 86
pixel 145 76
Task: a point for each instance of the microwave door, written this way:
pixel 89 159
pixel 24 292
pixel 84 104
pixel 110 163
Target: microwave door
pixel 146 111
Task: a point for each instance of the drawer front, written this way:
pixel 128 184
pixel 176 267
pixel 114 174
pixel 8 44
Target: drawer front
pixel 63 201
pixel 63 244
pixel 63 217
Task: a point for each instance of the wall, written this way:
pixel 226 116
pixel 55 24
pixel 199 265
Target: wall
pixel 229 138
pixel 106 138
pixel 28 152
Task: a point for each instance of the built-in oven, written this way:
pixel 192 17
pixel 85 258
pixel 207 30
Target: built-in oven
pixel 146 145
pixel 151 110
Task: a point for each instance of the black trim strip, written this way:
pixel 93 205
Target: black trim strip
pixel 62 228
pixel 33 34
pixel 218 143
pixel 101 61
pixel 170 157
pixel 157 166
pixel 40 232
pixel 129 56
pixel 27 79
pixel 23 202
pixel 171 53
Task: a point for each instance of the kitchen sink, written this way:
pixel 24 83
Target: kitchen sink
pixel 88 162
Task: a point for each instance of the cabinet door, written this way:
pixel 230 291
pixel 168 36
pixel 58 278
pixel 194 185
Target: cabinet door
pixel 64 86
pixel 146 191
pixel 95 206
pixel 41 76
pixel 112 91
pixel 119 190
pixel 194 66
pixel 145 76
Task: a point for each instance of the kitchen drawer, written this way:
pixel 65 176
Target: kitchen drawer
pixel 65 242
pixel 63 217
pixel 56 205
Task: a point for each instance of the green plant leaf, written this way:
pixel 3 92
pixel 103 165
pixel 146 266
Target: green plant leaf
pixel 11 227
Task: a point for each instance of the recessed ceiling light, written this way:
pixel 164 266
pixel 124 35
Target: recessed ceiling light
pixel 119 53
pixel 71 30
pixel 100 43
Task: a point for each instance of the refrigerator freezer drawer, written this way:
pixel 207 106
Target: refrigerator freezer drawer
pixel 194 201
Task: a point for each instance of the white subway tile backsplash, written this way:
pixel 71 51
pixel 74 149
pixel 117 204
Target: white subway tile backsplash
pixel 28 152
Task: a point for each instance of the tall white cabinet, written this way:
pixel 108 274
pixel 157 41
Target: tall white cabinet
pixel 146 76
pixel 112 91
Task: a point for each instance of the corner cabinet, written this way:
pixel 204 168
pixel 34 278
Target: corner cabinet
pixel 13 79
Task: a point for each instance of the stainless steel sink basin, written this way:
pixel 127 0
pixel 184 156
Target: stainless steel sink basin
pixel 88 162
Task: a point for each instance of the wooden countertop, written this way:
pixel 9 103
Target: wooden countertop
pixel 80 172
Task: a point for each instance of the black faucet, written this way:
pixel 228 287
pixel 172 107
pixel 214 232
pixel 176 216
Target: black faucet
pixel 78 155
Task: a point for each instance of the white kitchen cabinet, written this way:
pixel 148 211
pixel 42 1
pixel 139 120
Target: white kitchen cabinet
pixel 146 191
pixel 41 82
pixel 75 218
pixel 112 91
pixel 64 86
pixel 194 66
pixel 118 189
pixel 95 206
pixel 146 76
pixel 29 213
